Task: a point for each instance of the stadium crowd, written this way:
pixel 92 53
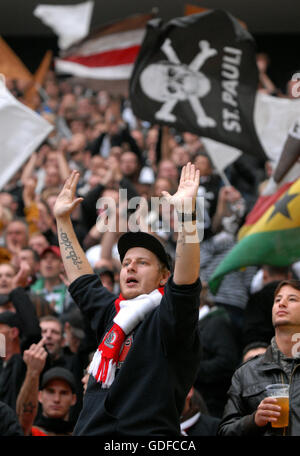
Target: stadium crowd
pixel 49 344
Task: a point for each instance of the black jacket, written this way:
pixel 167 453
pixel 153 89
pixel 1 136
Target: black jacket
pixel 118 139
pixel 258 328
pixel 219 359
pixel 205 426
pixel 12 375
pixel 149 390
pixel 9 424
pixel 248 390
pixel 12 372
pixel 30 327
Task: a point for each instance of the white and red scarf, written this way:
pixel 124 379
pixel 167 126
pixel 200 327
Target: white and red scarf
pixel 130 313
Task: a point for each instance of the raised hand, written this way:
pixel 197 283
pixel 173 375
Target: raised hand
pixel 35 357
pixel 185 198
pixel 66 201
pixel 29 190
pixel 114 164
pixel 21 279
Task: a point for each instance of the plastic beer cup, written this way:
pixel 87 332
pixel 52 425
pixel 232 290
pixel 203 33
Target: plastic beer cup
pixel 280 392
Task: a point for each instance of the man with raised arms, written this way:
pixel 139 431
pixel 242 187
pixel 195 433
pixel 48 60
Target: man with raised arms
pixel 148 349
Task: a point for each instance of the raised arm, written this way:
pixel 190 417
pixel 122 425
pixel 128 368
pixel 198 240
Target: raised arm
pixel 29 168
pixel 187 261
pixel 74 259
pixel 31 331
pixel 27 400
pixel 64 169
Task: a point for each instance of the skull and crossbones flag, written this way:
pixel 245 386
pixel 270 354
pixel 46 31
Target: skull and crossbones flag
pixel 198 73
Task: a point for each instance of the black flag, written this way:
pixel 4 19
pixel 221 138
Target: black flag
pixel 198 73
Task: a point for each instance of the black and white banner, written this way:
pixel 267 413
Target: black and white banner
pixel 198 73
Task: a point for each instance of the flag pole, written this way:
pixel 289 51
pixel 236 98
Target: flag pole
pixel 38 80
pixel 224 177
pixel 219 169
pixel 11 65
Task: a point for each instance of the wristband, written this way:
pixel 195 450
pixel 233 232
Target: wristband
pixel 190 217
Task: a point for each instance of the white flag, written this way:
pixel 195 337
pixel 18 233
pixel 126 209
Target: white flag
pixel 108 53
pixel 274 117
pixel 221 154
pixel 70 22
pixel 21 131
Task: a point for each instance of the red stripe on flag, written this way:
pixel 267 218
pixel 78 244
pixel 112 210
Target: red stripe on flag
pixel 263 203
pixel 108 58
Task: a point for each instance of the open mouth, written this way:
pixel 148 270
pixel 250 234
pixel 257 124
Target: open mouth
pixel 131 281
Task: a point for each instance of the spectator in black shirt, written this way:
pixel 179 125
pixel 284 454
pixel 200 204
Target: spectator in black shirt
pixel 143 390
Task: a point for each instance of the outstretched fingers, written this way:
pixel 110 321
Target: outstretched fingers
pixel 182 177
pixel 76 202
pixel 166 195
pixel 197 177
pixel 190 173
pixel 67 199
pixel 68 181
pixel 74 181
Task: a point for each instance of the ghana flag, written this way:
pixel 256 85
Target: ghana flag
pixel 261 206
pixel 273 239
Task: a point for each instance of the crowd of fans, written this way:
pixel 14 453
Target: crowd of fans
pixel 49 345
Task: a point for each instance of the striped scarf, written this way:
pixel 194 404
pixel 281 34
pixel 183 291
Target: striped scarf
pixel 130 313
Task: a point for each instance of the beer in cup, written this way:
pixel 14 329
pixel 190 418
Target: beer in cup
pixel 280 391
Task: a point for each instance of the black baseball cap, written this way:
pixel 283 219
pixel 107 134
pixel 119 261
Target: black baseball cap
pixel 10 319
pixel 59 373
pixel 75 319
pixel 147 241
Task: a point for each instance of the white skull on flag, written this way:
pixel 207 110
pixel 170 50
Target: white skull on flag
pixel 172 81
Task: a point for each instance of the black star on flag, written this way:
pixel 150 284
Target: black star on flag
pixel 281 206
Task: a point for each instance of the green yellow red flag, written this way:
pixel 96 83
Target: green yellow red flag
pixel 261 206
pixel 274 238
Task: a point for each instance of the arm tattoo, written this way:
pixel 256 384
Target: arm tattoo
pixel 70 249
pixel 28 407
